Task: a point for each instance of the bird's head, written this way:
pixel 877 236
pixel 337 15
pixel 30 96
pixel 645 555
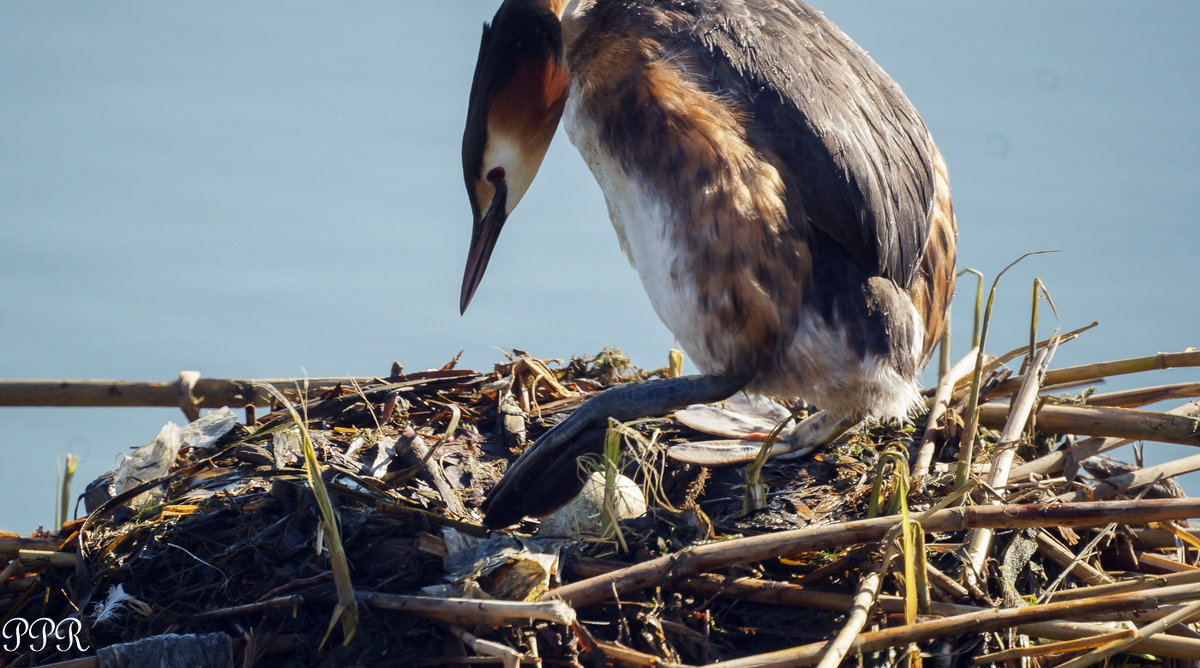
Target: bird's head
pixel 517 97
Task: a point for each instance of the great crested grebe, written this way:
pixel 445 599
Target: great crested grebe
pixel 783 203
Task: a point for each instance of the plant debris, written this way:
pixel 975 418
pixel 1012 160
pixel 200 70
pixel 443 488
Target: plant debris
pixel 895 543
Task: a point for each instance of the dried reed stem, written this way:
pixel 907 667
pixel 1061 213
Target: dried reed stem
pixel 864 600
pixel 1091 372
pixel 1097 421
pixel 1057 461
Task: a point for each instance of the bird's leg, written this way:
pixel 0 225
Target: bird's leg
pixel 544 477
pixel 744 434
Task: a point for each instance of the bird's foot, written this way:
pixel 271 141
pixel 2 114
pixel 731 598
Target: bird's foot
pixel 745 430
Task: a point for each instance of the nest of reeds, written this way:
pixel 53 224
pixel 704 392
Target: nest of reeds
pixel 343 529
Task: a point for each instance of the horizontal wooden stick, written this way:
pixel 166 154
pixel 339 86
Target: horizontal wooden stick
pixel 1090 372
pixel 10 546
pixel 1056 461
pixel 48 558
pixel 1135 583
pixel 208 392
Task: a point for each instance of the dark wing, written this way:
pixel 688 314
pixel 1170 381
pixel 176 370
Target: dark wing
pixel 857 156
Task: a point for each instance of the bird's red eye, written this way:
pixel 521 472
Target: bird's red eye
pixel 495 175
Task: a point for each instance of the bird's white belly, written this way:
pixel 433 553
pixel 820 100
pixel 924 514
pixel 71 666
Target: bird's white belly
pixel 643 223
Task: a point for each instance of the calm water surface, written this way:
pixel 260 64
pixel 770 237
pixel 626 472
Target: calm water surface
pixel 269 189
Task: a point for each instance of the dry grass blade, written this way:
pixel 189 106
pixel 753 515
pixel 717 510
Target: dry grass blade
pixel 347 606
pixel 967 451
pixel 1013 354
pixel 64 496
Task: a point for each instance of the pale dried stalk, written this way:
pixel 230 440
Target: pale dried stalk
pixel 473 612
pixel 1169 565
pixel 209 392
pixel 1132 584
pixel 1084 553
pixel 48 558
pixel 946 583
pixel 256 608
pixel 860 609
pixel 1161 538
pixel 508 656
pixel 620 655
pixel 10 546
pixel 783 593
pixel 980 541
pixel 941 399
pixel 995 363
